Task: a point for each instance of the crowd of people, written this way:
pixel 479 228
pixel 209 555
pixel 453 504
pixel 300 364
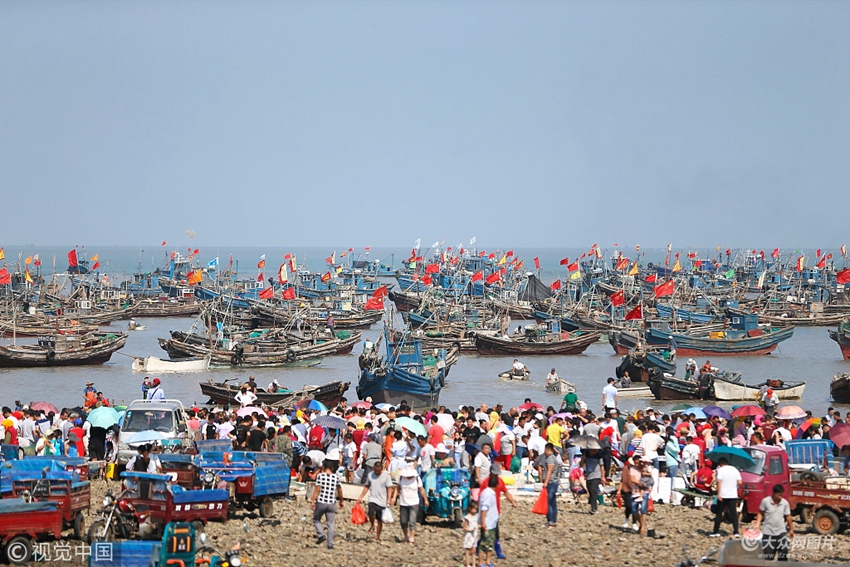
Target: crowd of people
pixel 388 450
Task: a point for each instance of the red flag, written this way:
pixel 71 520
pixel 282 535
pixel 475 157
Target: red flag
pixel 482 254
pixel 775 253
pixel 618 299
pixel 800 263
pixel 380 292
pixel 665 289
pixel 822 263
pixel 326 277
pixel 493 278
pixel 427 280
pixel 190 276
pixel 492 256
pixel 698 263
pixel 6 279
pixel 72 258
pixel 564 261
pixel 163 243
pixel 367 248
pixel 509 253
pixel 556 285
pixel 267 293
pixel 818 253
pixel 197 251
pixel 622 263
pixel 96 265
pixel 636 313
pixel 37 261
pixel 289 293
pixel 374 304
pixel 828 257
pixel 728 251
pixel 260 277
pixel 842 277
pixel 536 263
pixel 287 257
pixel 651 278
pixel 432 269
pixel 479 275
pixel 573 267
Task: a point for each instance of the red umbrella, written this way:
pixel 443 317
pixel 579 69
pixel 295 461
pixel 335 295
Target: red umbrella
pixel 840 434
pixel 46 407
pixel 747 411
pixel 529 406
pixel 364 405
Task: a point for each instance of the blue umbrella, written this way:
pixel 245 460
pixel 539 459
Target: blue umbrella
pixel 315 405
pixel 716 411
pixel 103 417
pixel 384 407
pixel 698 413
pixel 736 456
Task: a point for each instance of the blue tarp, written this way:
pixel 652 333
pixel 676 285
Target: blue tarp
pixel 10 505
pixel 272 480
pixel 191 496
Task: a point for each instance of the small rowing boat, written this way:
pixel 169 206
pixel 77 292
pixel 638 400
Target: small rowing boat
pixel 157 365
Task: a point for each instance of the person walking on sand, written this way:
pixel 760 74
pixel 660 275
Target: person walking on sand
pixel 410 494
pixel 379 485
pixel 728 482
pixel 552 472
pixel 489 520
pixel 324 503
pixel 471 531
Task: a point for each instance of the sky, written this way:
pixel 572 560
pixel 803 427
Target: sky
pixel 527 124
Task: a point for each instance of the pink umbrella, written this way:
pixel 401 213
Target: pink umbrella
pixel 747 410
pixel 446 421
pixel 530 405
pixel 250 411
pixel 790 412
pixel 358 405
pixel 46 407
pixel 840 434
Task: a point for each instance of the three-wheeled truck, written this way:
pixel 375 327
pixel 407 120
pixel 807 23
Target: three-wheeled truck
pixel 23 523
pixel 824 502
pixel 253 480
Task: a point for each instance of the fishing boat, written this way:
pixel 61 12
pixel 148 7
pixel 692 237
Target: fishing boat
pixel 840 388
pixel 728 386
pixel 665 387
pixel 513 375
pixel 842 337
pixel 153 364
pixel 169 307
pixel 63 350
pixel 634 390
pixel 666 312
pixel 743 336
pixel 223 393
pixel 560 386
pixel 640 364
pixel 250 354
pixel 402 374
pixel 536 340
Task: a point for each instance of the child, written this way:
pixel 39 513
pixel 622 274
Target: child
pixel 349 450
pixel 470 533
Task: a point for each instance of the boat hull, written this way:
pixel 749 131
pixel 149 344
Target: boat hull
pixel 840 388
pixel 690 345
pixel 157 365
pixel 42 357
pixel 489 343
pixel 841 337
pixel 225 394
pixel 732 391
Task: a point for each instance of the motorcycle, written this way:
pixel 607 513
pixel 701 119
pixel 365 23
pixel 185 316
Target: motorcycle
pixel 118 519
pixel 230 558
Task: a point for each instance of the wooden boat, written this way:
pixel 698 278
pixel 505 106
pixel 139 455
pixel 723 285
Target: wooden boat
pixel 666 312
pixel 153 364
pixel 842 337
pixel 63 350
pixel 224 394
pixel 405 300
pixel 799 318
pixel 729 387
pixel 63 327
pixel 840 388
pixel 513 376
pixel 744 336
pixel 250 355
pixel 642 364
pixel 532 343
pixel 635 390
pixel 402 374
pixel 671 388
pixel 561 386
pixel 170 308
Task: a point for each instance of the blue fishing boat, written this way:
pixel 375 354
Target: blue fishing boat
pixel 742 336
pixel 665 311
pixel 403 374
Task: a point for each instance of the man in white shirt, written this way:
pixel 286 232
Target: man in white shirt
pixel 488 513
pixel 690 457
pixel 781 434
pixel 609 396
pixel 482 465
pixel 156 392
pixel 728 481
pixel 650 443
pixel 426 454
pixel 245 397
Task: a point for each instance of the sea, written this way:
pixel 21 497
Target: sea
pixel 808 356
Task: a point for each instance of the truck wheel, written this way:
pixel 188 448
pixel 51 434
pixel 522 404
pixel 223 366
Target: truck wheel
pixel 19 550
pixel 267 508
pixel 80 526
pixel 458 517
pixel 96 532
pixel 806 515
pixel 826 522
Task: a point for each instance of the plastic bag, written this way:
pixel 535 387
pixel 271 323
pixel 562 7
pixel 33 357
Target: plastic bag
pixel 619 500
pixel 541 507
pixel 650 507
pixel 387 516
pixel 358 516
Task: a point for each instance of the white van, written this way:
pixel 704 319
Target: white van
pixel 167 417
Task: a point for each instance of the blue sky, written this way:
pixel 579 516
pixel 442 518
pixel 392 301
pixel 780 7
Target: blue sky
pixel 551 124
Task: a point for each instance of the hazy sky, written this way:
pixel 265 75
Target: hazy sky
pixel 374 123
